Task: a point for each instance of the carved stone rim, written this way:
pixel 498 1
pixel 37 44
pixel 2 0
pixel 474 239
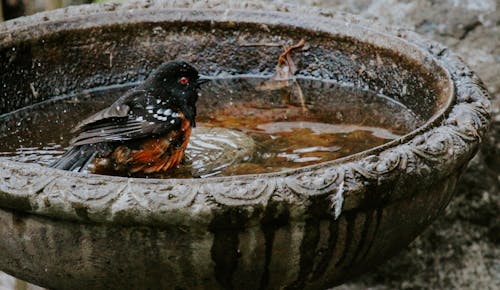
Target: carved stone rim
pixel 432 151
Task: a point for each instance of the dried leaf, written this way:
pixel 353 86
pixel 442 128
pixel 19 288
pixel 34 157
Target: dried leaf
pixel 285 70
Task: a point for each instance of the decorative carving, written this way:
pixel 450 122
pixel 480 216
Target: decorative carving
pixel 21 183
pixel 160 197
pixel 312 183
pixel 433 146
pixel 94 192
pixel 239 192
pixel 374 166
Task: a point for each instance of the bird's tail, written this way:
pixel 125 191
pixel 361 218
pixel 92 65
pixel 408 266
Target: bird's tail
pixel 76 158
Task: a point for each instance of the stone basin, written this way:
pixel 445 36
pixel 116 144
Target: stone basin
pixel 307 228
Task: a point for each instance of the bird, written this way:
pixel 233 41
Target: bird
pixel 145 131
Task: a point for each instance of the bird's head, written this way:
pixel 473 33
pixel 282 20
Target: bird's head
pixel 178 83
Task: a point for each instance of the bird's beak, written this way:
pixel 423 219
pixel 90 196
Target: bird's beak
pixel 202 80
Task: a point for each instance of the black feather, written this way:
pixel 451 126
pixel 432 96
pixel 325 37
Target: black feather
pixel 76 158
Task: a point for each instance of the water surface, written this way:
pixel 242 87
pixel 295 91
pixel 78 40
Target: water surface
pixel 333 121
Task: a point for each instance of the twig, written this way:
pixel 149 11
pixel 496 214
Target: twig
pixel 289 50
pixel 301 95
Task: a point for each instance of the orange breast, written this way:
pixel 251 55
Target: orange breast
pixel 164 153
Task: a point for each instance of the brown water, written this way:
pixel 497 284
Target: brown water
pixel 335 122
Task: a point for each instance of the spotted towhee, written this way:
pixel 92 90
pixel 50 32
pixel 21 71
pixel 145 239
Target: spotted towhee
pixel 144 131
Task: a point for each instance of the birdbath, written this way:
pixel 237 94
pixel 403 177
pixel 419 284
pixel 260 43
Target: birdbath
pixel 310 227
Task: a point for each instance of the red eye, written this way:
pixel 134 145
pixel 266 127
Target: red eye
pixel 184 80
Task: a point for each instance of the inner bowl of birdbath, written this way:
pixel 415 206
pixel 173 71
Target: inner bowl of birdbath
pixel 297 193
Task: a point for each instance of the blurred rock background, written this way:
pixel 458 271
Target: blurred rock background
pixel 16 8
pixel 461 249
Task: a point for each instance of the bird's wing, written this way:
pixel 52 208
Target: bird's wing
pixel 118 109
pixel 126 121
